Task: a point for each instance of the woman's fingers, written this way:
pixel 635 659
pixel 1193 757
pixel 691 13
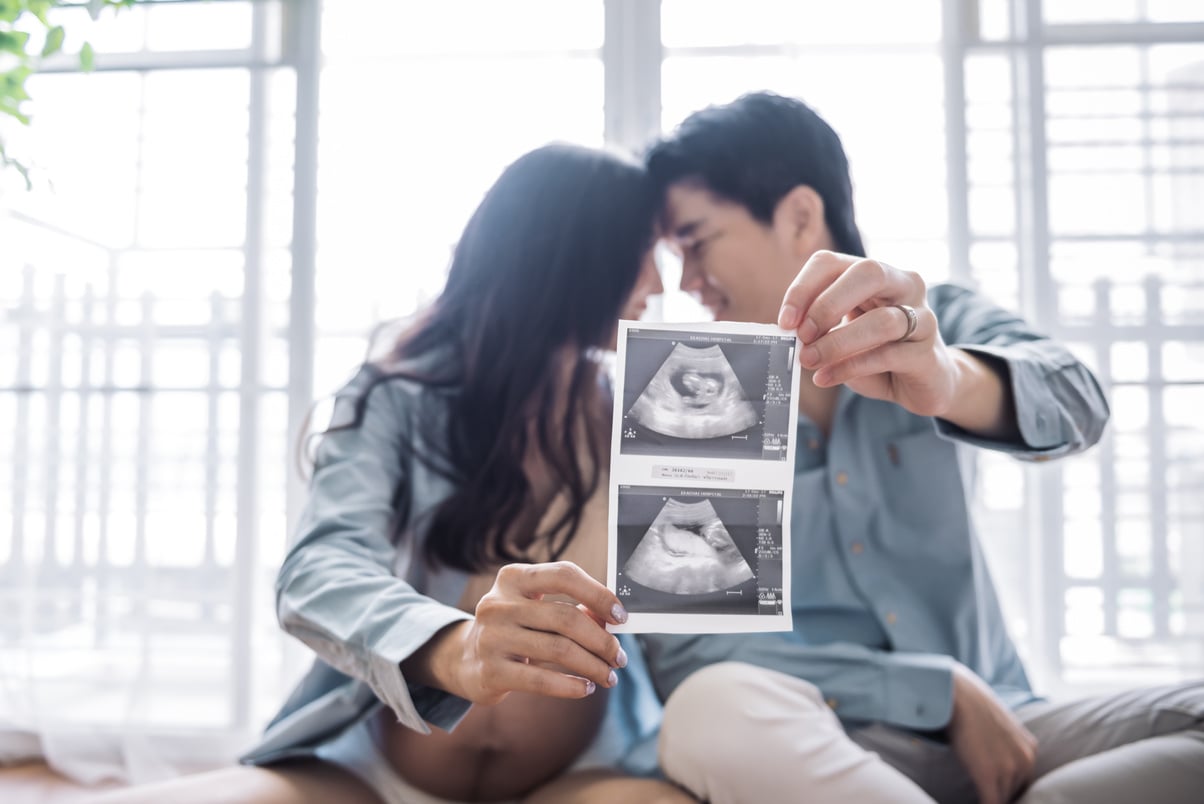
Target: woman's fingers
pixel 563 578
pixel 517 627
pixel 549 648
pixel 518 677
pixel 506 619
pixel 579 626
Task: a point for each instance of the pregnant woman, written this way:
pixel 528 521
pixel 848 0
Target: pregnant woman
pixel 447 570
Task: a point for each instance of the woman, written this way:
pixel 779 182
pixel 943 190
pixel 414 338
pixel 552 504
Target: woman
pixel 448 571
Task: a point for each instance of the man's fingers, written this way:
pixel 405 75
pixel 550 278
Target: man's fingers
pixel 518 677
pixel 892 357
pixel 990 791
pixel 862 282
pixel 563 578
pixel 877 327
pixel 820 270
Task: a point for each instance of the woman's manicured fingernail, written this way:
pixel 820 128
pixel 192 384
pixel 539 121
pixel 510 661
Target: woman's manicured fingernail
pixel 590 687
pixel 809 331
pixel 618 613
pixel 788 316
pixel 621 658
pixel 612 679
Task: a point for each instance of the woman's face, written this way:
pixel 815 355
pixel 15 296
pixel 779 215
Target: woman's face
pixel 647 284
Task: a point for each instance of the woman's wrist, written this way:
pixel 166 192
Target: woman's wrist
pixel 438 663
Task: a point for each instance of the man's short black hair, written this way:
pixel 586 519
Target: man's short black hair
pixel 754 151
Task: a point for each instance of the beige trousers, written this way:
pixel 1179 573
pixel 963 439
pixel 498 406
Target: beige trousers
pixel 734 732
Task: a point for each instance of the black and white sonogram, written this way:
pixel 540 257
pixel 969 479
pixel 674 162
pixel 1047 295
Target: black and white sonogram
pixel 700 551
pixel 687 551
pixel 695 394
pixel 687 394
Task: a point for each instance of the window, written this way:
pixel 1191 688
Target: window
pixel 1084 173
pixel 205 254
pixel 420 113
pixel 142 283
pixel 872 70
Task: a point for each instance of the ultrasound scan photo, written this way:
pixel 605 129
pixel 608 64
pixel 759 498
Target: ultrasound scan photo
pixel 687 551
pixel 701 474
pixel 695 394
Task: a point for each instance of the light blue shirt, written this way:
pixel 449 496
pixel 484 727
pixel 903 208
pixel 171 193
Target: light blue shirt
pixel 889 583
pixel 364 604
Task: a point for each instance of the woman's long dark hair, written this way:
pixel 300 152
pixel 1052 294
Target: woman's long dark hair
pixel 541 271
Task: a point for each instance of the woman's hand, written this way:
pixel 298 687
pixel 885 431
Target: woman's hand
pixel 517 634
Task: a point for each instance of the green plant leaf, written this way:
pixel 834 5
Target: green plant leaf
pixel 11 108
pixel 12 83
pixel 13 41
pixel 10 10
pixel 40 9
pixel 54 41
pixel 87 58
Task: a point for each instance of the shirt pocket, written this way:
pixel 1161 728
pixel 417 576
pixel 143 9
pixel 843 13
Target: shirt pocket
pixel 922 483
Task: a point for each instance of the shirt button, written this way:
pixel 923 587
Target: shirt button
pixel 891 619
pixel 841 478
pixel 858 548
pixel 833 703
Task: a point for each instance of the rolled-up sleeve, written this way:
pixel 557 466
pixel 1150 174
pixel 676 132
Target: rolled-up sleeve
pixel 1060 407
pixel 336 590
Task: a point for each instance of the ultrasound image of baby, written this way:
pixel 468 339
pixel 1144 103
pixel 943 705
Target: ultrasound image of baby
pixel 687 551
pixel 695 394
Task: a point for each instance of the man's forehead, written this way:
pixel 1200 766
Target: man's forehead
pixel 688 205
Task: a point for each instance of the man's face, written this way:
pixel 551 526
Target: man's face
pixel 734 265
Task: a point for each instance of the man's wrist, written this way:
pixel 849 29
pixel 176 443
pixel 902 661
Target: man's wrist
pixel 981 402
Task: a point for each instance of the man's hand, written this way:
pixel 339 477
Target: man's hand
pixel 846 312
pixel 519 641
pixel 993 746
pixel 844 309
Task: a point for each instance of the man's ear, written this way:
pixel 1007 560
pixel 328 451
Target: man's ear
pixel 799 222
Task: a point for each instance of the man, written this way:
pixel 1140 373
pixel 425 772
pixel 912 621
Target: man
pixel 899 682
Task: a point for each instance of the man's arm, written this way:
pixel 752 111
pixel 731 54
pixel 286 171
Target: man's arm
pixel 950 355
pixel 1056 406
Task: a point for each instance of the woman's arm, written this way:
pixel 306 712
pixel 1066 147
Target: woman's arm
pixel 428 661
pixel 336 590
